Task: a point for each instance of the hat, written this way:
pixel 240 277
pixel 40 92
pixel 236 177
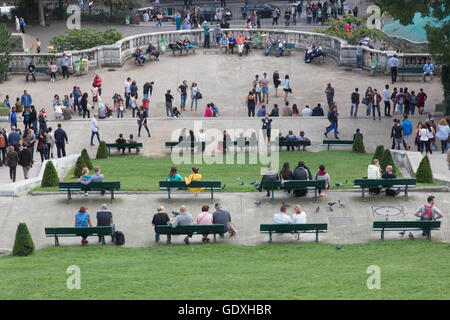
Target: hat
pixel 160 208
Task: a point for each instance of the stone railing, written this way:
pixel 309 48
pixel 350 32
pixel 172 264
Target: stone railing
pixel 117 54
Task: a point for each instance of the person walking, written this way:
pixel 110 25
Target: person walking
pixel 276 81
pixel 443 133
pixel 286 87
pixel 251 103
pixel 26 161
pixel 142 121
pixel 12 159
pixel 393 64
pixel 355 103
pixel 169 98
pixel 329 91
pixel 61 140
pixel 42 145
pixel 94 129
pixel 333 118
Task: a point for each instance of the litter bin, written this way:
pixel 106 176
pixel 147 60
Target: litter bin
pixel 77 67
pixel 127 19
pixel 85 63
pixel 162 45
pixel 257 41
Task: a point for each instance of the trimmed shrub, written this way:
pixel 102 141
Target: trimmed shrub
pixel 50 178
pixel 358 145
pixel 102 151
pixel 378 153
pixel 387 160
pixel 424 173
pixel 79 167
pixel 23 245
pixel 87 159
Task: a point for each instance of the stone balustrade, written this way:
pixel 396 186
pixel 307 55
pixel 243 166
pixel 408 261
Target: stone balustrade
pixel 117 54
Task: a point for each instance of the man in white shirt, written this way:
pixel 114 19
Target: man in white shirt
pixel 282 217
pixel 428 69
pixel 94 129
pixel 386 99
pixel 393 64
pixel 306 112
pixel 202 138
pixel 127 88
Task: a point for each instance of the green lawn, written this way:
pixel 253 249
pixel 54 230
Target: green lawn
pixel 143 173
pixel 409 270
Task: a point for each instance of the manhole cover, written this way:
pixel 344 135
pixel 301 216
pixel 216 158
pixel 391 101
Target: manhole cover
pixel 388 211
pixel 341 221
pixel 111 70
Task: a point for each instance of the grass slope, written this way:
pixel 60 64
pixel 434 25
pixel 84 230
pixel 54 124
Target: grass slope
pixel 142 173
pixel 409 270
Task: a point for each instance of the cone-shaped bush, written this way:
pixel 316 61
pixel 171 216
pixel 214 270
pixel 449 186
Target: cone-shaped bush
pixel 424 173
pixel 50 178
pixel 387 160
pixel 102 151
pixel 358 145
pixel 23 245
pixel 79 167
pixel 87 159
pixel 378 153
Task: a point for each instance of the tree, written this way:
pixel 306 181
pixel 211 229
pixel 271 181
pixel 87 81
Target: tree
pixel 121 4
pixel 79 166
pixel 86 159
pixel 50 177
pixel 358 145
pixel 424 173
pixel 387 160
pixel 80 39
pixel 438 35
pixel 23 245
pixel 378 153
pixel 8 44
pixel 102 151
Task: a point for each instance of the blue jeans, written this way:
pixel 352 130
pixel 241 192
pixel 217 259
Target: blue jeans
pixel 400 109
pixel 267 50
pixel 279 51
pixel 358 61
pixel 411 109
pixel 192 102
pixel 119 113
pixel 183 102
pixel 156 237
pixel 373 111
pixel 356 106
pixel 92 137
pixel 368 109
pixel 332 127
pixel 133 110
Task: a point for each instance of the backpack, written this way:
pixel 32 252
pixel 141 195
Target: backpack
pixel 119 237
pixel 428 214
pixel 2 141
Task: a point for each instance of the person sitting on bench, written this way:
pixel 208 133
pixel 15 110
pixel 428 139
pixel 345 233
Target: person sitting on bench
pixel 184 218
pixel 97 177
pixel 179 46
pixel 187 45
pixel 374 172
pixel 151 50
pixel 121 140
pixel 140 58
pixel 269 44
pixel 194 176
pixel 389 175
pixel 83 220
pixel 268 176
pixel 105 219
pixel 282 217
pixel 280 47
pixel 131 140
pixel 428 212
pixel 313 52
pixel 301 173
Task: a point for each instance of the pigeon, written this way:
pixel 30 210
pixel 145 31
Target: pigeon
pixel 411 236
pixel 242 183
pixel 341 204
pixel 223 187
pixel 337 184
pixel 317 209
pixel 402 233
pixel 330 205
pixel 257 203
pixel 345 182
pixel 338 248
pixel 253 183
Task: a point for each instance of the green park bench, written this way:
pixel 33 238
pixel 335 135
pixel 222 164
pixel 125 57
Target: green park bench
pixel 136 145
pixel 295 185
pixel 409 71
pixel 292 143
pixel 211 185
pixel 93 186
pixel 236 144
pixel 426 226
pixel 289 48
pixel 42 71
pixel 385 183
pixel 294 228
pixel 184 144
pixel 194 45
pixel 191 229
pixel 329 143
pixel 78 232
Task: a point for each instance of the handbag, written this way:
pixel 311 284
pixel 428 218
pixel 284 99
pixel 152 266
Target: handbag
pixel 198 95
pixel 365 101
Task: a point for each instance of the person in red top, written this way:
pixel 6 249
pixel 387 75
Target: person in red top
pixel 98 83
pixel 240 40
pixel 421 98
pixel 146 104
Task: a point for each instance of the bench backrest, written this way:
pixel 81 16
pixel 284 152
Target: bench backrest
pixel 292 143
pixel 410 70
pixel 108 185
pixel 199 228
pixel 296 184
pixel 337 142
pixel 237 143
pixel 193 184
pixel 406 224
pixel 184 144
pixel 293 227
pixel 79 231
pixel 125 145
pixel 289 46
pixel 369 183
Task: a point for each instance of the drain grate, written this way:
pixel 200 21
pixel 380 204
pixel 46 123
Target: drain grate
pixel 388 211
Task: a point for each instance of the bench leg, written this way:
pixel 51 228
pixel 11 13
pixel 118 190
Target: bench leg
pixel 69 195
pixel 317 235
pixel 109 151
pixel 270 236
pixel 315 195
pixel 328 147
pixel 429 235
pixel 382 234
pixel 56 241
pixel 406 193
pixel 273 192
pixel 168 195
pixel 363 194
pixel 212 195
pixel 214 238
pixel 112 195
pixel 103 240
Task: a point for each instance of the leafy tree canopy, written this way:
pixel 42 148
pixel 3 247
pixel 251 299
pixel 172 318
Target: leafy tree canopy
pixel 79 39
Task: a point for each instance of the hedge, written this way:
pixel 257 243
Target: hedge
pixel 358 145
pixel 50 178
pixel 378 153
pixel 87 159
pixel 387 161
pixel 102 151
pixel 424 173
pixel 23 245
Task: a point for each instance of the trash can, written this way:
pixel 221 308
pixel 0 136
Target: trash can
pixel 257 41
pixel 85 63
pixel 77 67
pixel 162 45
pixel 127 19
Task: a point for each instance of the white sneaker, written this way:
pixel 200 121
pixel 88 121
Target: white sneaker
pixel 86 194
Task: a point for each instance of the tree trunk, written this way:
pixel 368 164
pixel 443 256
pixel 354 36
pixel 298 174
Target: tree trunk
pixel 41 13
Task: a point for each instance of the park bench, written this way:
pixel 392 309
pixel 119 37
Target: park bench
pixel 194 45
pixel 426 226
pixel 184 144
pixel 289 48
pixel 78 232
pixel 385 183
pixel 294 228
pixel 211 185
pixel 136 145
pixel 191 229
pixel 93 186
pixel 329 143
pixel 292 143
pixel 41 71
pixel 409 71
pixel 295 185
pixel 237 143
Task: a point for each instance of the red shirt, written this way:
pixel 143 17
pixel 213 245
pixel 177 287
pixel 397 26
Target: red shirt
pixel 98 81
pixel 145 103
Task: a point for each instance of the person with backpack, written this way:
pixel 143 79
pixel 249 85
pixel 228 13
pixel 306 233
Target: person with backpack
pixel 3 146
pixel 332 117
pixel 428 212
